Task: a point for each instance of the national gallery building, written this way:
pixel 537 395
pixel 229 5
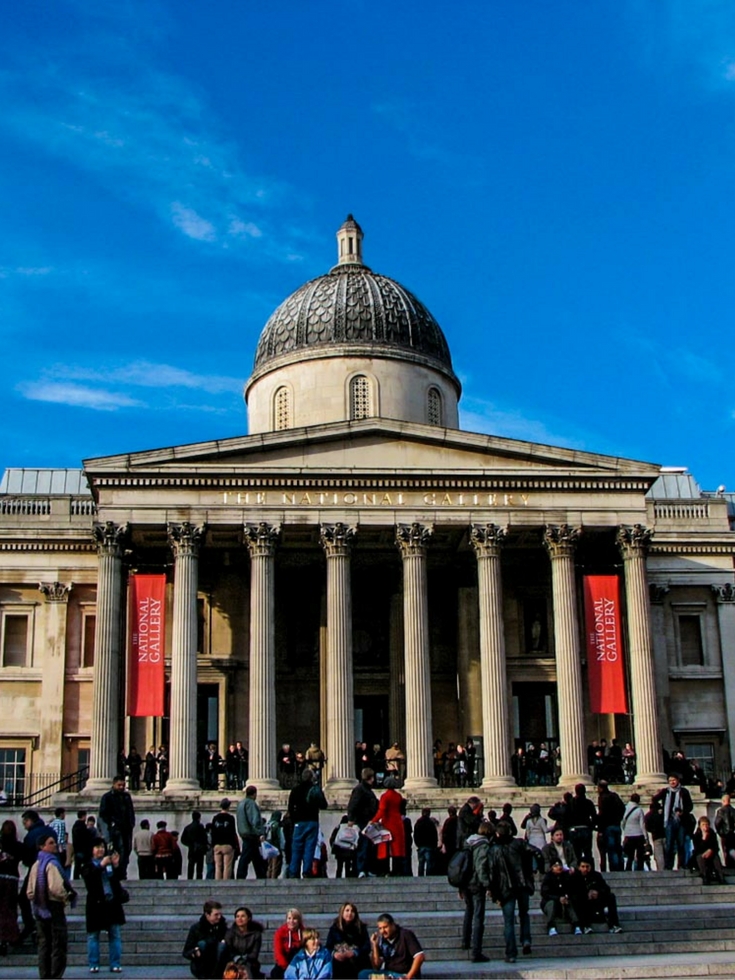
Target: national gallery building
pixel 358 567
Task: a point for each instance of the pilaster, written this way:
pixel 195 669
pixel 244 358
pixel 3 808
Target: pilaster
pixel 56 595
pixel 725 599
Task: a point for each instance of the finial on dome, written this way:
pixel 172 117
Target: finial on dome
pixel 349 243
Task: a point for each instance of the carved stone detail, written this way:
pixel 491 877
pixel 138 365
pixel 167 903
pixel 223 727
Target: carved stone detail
pixel 560 540
pixel 633 540
pixel 487 539
pixel 337 539
pixel 185 538
pixel 412 539
pixel 110 537
pixel 55 591
pixel 657 593
pixel 261 538
pixel 724 593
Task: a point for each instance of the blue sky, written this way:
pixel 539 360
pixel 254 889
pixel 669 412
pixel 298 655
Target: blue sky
pixel 555 180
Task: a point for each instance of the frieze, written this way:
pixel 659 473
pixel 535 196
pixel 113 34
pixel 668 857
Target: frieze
pixel 369 498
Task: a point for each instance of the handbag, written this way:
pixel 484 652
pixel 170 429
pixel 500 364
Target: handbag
pixel 268 851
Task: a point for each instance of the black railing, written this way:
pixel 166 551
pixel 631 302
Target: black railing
pixel 44 786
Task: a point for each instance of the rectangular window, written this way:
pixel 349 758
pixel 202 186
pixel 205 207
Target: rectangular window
pixel 703 753
pixel 690 641
pixel 13 774
pixel 15 640
pixel 89 626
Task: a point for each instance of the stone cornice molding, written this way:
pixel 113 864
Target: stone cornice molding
pixel 55 591
pixel 724 593
pixel 337 539
pixel 185 539
pixel 634 541
pixel 657 593
pixel 676 548
pixel 261 539
pixel 110 537
pixel 560 540
pixel 487 539
pixel 413 539
pixel 66 546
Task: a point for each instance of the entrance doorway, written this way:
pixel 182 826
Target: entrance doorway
pixel 535 716
pixel 371 723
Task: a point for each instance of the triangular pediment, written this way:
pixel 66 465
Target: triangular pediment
pixel 370 446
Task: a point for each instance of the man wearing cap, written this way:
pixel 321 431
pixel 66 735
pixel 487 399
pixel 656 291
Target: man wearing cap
pixel 224 841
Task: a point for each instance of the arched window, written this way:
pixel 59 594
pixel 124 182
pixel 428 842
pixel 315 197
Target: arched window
pixel 360 407
pixel 434 411
pixel 282 409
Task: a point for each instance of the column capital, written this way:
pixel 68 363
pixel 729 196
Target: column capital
pixel 337 539
pixel 560 540
pixel 657 593
pixel 110 537
pixel 724 593
pixel 487 539
pixel 261 539
pixel 633 541
pixel 412 539
pixel 185 539
pixel 55 591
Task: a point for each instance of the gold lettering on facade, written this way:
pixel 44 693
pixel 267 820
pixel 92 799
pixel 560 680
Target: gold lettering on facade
pixel 306 499
pixel 350 498
pixel 324 498
pixel 288 498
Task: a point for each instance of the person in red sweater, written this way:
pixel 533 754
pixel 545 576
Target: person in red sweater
pixel 162 851
pixel 287 941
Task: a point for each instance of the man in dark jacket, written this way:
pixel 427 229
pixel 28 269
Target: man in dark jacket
pixel 595 902
pixel 610 811
pixel 511 884
pixel 194 838
pixel 117 818
pixel 582 820
pixel 677 807
pixel 304 803
pixel 362 807
pixel 35 828
pixel 469 819
pixel 426 842
pixel 81 842
pixel 559 891
pixel 204 943
pixel 473 927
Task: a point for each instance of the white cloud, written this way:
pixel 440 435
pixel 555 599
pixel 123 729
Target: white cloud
pixel 77 396
pixel 478 415
pixel 192 224
pixel 24 270
pixel 146 374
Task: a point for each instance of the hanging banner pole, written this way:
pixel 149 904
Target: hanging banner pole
pixel 604 642
pixel 146 673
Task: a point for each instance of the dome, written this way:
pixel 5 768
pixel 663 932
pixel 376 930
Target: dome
pixel 351 345
pixel 352 306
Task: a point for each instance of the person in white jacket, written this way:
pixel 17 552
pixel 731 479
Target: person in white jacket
pixel 634 834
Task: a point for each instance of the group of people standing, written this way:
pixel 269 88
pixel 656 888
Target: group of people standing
pixel 153 769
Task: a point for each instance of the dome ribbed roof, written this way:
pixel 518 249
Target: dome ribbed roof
pixel 353 307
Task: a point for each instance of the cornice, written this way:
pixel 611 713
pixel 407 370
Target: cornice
pixel 58 546
pixel 692 548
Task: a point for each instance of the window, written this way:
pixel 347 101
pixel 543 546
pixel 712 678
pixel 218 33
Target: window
pixel 13 774
pixel 690 641
pixel 89 627
pixel 435 414
pixel 703 753
pixel 282 409
pixel 15 640
pixel 360 407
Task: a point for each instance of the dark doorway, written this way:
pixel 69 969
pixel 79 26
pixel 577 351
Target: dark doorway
pixel 535 714
pixel 371 720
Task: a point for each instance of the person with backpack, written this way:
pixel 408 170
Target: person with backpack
pixel 275 837
pixel 511 885
pixel 474 884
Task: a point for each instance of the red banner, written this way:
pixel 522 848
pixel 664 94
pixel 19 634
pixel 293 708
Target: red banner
pixel 146 674
pixel 604 644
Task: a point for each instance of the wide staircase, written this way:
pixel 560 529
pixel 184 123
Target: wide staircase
pixel 661 913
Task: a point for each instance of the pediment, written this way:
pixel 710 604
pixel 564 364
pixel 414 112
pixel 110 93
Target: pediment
pixel 369 447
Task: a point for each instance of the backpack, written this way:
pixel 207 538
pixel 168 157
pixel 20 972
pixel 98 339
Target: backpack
pixel 460 869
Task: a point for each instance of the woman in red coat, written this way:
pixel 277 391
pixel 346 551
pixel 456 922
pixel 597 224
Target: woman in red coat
pixel 389 815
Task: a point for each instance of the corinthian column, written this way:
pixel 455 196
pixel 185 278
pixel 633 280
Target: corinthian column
pixel 261 540
pixel 105 729
pixel 560 543
pixel 52 689
pixel 185 540
pixel 412 541
pixel 487 541
pixel 633 544
pixel 337 541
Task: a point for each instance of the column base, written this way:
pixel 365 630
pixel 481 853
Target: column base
pixel 340 785
pixel 97 786
pixel 268 785
pixel 499 782
pixel 416 783
pixel 182 788
pixel 649 779
pixel 572 778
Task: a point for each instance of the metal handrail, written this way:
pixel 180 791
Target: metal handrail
pixel 71 782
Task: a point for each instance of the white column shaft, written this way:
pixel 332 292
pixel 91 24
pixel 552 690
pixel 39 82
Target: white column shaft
pixel 340 700
pixel 183 711
pixel 262 669
pixel 419 759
